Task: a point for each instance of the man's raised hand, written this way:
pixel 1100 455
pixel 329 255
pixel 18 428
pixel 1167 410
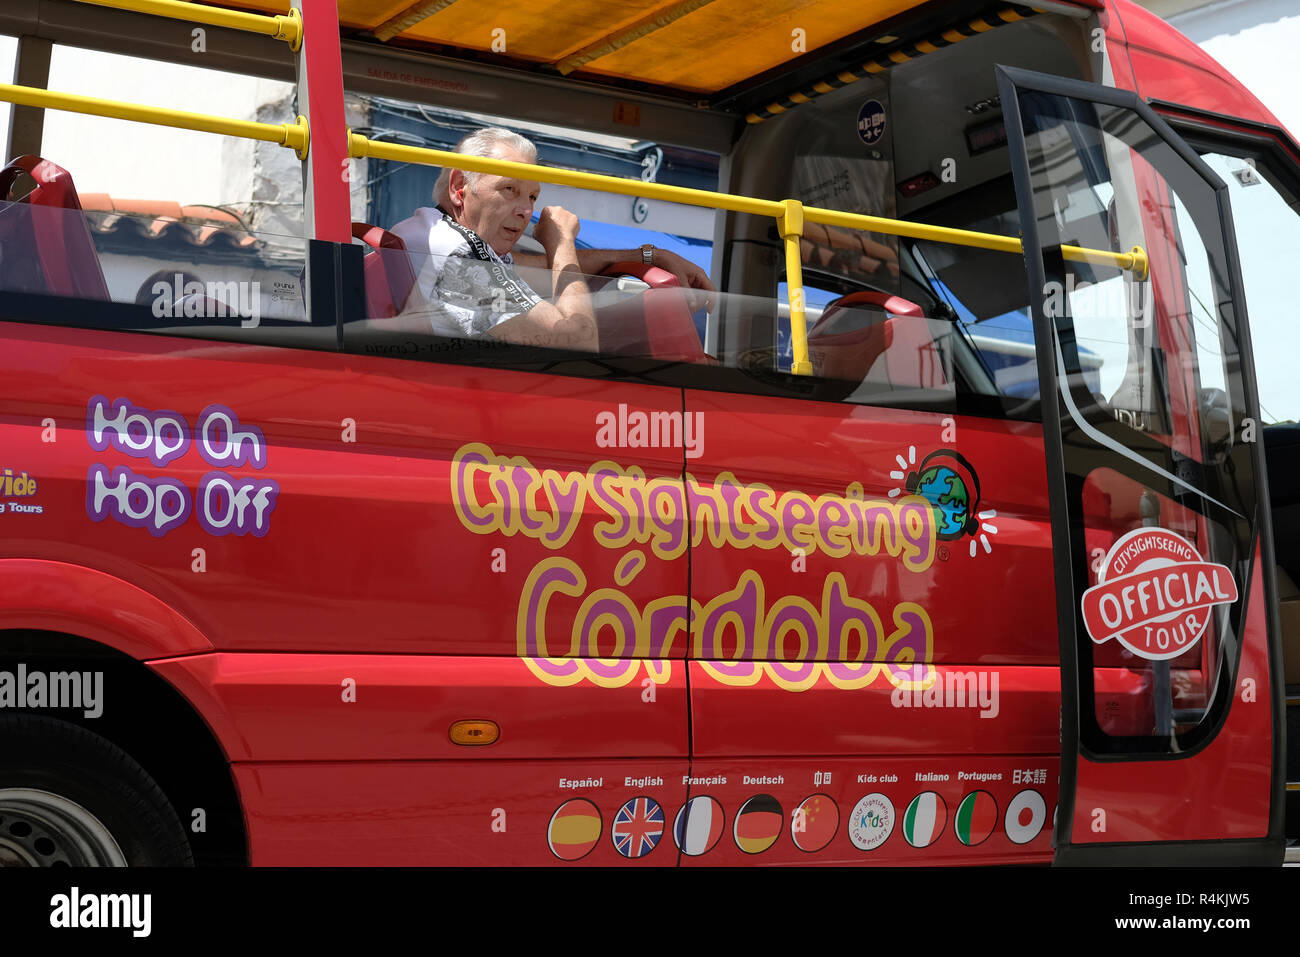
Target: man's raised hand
pixel 555 226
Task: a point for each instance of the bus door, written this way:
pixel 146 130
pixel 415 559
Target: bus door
pixel 1161 540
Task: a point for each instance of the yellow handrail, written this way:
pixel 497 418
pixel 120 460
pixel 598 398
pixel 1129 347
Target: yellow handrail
pixel 790 225
pixel 790 216
pixel 287 27
pixel 360 146
pixel 293 135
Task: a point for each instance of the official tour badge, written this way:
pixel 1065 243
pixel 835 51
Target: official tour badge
pixel 1155 594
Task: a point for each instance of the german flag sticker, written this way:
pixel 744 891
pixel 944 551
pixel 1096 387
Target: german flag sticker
pixel 977 816
pixel 758 824
pixel 575 829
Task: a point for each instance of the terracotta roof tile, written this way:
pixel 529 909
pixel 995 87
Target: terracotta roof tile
pixel 168 221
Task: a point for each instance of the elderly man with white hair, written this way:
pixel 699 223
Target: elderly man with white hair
pixel 466 280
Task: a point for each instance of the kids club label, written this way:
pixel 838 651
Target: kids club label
pixel 1155 594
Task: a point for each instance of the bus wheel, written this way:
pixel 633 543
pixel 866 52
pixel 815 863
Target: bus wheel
pixel 69 797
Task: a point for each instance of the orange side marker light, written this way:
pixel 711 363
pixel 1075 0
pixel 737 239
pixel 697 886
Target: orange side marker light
pixel 474 732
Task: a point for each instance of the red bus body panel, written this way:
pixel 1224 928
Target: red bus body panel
pixel 1165 65
pixel 453 543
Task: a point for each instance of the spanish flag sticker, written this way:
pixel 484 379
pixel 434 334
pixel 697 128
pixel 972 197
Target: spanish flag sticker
pixel 758 824
pixel 977 816
pixel 575 829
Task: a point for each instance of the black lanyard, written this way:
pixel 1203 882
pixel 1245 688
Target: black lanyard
pixel 521 294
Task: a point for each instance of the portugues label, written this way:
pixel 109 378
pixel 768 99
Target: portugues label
pixel 1155 594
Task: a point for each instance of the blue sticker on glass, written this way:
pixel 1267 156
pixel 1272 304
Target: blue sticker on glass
pixel 871 122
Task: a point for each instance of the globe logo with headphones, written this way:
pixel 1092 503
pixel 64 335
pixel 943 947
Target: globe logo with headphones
pixel 946 480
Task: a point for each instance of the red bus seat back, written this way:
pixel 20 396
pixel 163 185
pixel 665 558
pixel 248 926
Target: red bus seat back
pixel 851 354
pixel 913 360
pixel 670 328
pixel 389 275
pixel 656 324
pixel 49 223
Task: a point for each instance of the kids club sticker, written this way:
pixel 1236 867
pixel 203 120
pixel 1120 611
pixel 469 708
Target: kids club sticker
pixel 872 822
pixel 1155 594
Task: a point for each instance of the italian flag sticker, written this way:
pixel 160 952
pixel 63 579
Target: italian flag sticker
pixel 977 816
pixel 924 820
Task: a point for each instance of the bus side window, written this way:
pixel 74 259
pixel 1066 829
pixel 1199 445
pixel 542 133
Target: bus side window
pixel 1266 219
pixel 816 299
pixel 1267 224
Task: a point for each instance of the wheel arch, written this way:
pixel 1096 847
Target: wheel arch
pixel 152 721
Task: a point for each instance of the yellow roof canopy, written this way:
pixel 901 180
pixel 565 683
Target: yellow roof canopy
pixel 695 47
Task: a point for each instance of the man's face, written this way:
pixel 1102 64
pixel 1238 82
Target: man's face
pixel 498 208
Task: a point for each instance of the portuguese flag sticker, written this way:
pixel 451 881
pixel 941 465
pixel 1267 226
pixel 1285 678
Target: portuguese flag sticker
pixel 1155 594
pixel 977 816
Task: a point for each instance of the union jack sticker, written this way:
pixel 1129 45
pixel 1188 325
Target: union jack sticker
pixel 638 826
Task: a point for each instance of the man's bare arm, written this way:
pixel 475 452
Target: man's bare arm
pixel 592 262
pixel 570 321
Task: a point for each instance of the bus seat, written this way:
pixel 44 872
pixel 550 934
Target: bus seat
pixel 850 354
pixel 57 232
pixel 913 361
pixel 670 328
pixel 658 323
pixel 389 275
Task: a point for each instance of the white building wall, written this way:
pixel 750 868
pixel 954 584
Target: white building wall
pixel 260 181
pixel 141 161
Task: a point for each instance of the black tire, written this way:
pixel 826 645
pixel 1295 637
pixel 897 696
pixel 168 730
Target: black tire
pixel 52 771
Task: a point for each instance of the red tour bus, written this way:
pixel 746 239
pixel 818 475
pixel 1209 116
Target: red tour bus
pixel 941 535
